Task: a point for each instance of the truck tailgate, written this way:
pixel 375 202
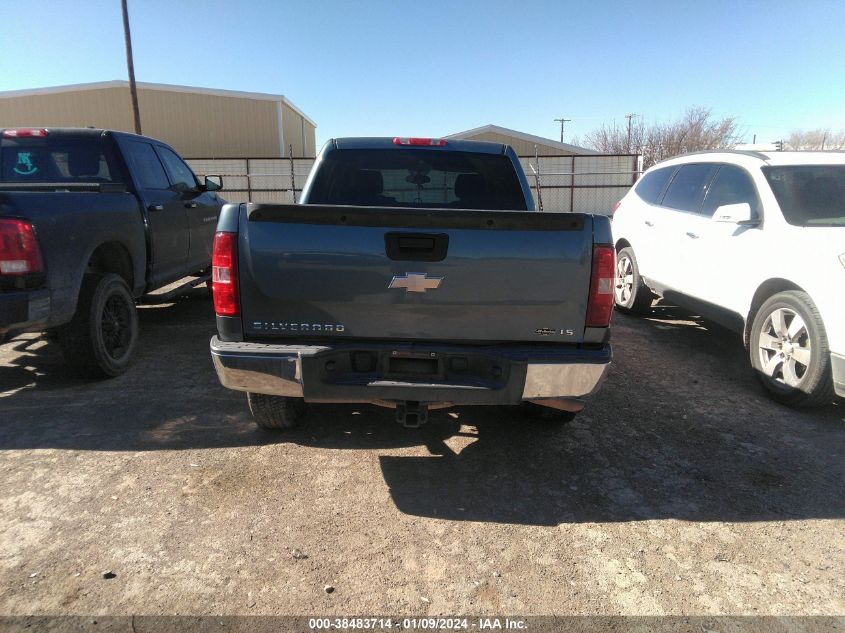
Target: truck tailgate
pixel 316 272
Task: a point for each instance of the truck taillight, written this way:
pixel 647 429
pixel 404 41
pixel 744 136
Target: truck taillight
pixel 19 251
pixel 24 132
pixel 615 207
pixel 436 142
pixel 600 304
pixel 224 274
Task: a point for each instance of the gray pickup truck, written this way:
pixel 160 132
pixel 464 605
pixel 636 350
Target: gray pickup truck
pixel 91 220
pixel 415 274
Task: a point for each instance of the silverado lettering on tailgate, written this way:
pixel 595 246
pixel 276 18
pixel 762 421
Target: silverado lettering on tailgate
pixel 287 326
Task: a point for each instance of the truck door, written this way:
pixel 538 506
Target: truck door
pixel 169 235
pixel 201 208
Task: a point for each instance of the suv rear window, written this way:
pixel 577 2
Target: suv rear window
pixel 57 159
pixel 809 195
pixel 418 178
pixel 651 186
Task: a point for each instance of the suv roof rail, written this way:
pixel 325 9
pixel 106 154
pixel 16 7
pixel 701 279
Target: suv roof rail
pixel 744 152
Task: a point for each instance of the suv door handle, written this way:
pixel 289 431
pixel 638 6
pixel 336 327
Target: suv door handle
pixel 649 223
pixel 692 235
pixel 190 205
pixel 155 207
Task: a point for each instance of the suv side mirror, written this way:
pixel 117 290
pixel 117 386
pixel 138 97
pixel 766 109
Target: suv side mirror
pixel 739 213
pixel 213 183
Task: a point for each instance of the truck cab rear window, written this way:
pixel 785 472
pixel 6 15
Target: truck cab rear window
pixel 418 178
pixel 56 160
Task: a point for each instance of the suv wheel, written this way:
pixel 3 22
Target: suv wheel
pixel 789 350
pixel 630 292
pixel 101 337
pixel 276 412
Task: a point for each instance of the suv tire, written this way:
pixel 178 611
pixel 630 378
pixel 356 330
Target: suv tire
pixel 630 293
pixel 789 350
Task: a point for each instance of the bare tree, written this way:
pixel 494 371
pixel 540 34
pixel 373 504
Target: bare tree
pixel 612 139
pixel 815 139
pixel 697 130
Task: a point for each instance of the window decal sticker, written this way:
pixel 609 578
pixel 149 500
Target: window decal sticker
pixel 24 166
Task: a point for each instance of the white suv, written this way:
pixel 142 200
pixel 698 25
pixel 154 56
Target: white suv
pixel 754 241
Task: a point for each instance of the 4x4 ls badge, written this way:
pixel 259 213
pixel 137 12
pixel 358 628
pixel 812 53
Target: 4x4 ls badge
pixel 415 282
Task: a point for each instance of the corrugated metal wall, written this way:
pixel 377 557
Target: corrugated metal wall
pixel 298 132
pixel 195 124
pixel 106 107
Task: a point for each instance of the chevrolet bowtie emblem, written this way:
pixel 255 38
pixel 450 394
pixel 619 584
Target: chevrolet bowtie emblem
pixel 415 282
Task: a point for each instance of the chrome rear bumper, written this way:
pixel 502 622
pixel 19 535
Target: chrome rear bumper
pixel 281 370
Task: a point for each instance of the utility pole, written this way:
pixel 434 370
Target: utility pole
pixel 562 121
pixel 127 37
pixel 630 117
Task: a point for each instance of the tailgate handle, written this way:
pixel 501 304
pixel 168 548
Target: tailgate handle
pixel 416 247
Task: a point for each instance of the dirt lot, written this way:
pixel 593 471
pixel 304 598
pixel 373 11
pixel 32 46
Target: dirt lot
pixel 680 490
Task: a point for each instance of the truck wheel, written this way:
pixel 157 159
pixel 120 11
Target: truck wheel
pixel 547 415
pixel 631 294
pixel 276 412
pixel 789 350
pixel 99 340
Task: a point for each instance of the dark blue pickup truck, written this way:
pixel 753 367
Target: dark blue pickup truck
pixel 415 274
pixel 90 220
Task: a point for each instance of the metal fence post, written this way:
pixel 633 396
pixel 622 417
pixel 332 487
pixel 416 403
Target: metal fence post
pixel 292 178
pixel 248 181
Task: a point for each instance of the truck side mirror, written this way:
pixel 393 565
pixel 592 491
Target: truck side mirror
pixel 739 213
pixel 213 183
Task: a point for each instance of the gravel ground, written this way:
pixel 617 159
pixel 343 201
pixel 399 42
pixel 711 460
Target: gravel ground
pixel 681 489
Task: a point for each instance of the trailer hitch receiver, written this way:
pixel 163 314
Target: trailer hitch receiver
pixel 411 414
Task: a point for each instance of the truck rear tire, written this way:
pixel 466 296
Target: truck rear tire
pixel 100 339
pixel 276 412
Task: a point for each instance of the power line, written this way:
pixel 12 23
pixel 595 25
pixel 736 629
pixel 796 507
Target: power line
pixel 630 116
pixel 562 121
pixel 127 37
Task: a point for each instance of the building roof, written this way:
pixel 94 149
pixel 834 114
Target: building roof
pixel 10 94
pixel 539 140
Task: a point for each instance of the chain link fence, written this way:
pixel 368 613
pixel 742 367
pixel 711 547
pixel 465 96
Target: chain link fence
pixel 559 184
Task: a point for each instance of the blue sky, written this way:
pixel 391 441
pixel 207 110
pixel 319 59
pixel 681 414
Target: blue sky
pixel 391 67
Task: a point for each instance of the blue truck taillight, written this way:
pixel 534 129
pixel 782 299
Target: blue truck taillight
pixel 24 132
pixel 19 250
pixel 431 142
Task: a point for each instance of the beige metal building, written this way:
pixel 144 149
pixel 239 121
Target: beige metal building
pixel 197 122
pixel 523 143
